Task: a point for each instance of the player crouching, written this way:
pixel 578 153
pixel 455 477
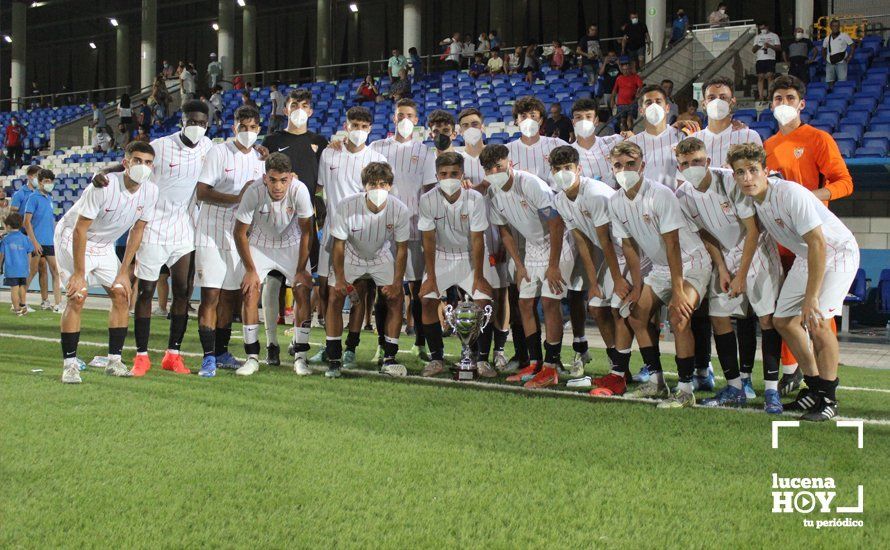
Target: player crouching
pixel 453 222
pixel 827 257
pixel 278 216
pixel 363 226
pixel 85 238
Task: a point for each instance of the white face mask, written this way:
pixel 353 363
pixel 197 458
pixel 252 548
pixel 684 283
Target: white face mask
pixel 634 20
pixel 762 31
pixel 564 179
pixel 194 133
pixel 377 196
pixel 785 114
pixel 48 187
pixel 405 128
pixel 498 180
pixel 717 109
pixel 723 10
pixel 654 114
pixel 584 128
pixel 695 175
pixel 529 127
pixel 449 186
pixel 472 136
pixel 800 35
pixel 139 173
pixel 358 137
pixel 627 179
pixel 299 118
pixel 246 139
pixel 33 182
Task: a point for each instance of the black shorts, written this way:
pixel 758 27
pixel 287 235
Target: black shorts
pixel 765 66
pixel 48 250
pixel 15 281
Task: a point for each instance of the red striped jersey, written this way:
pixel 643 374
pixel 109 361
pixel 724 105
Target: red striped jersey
pixel 534 158
pixel 654 211
pixel 113 210
pixel 453 222
pixel 227 170
pixel 369 236
pixel 176 171
pixel 789 211
pixel 413 167
pixel 521 208
pixel 658 154
pixel 718 144
pixel 589 210
pixel 274 224
pixel 595 161
pixel 340 174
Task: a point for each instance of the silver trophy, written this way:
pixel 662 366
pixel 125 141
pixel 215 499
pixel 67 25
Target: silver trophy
pixel 467 320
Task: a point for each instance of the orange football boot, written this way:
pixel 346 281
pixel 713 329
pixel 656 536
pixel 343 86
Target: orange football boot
pixel 173 362
pixel 544 379
pixel 141 365
pixel 525 374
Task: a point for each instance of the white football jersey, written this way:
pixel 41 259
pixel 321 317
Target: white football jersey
pixel 523 208
pixel 472 168
pixel 595 161
pixel 369 236
pixel 340 174
pixel 718 145
pixel 658 154
pixel 589 210
pixel 453 222
pixel 535 158
pixel 413 166
pixel 274 224
pixel 718 209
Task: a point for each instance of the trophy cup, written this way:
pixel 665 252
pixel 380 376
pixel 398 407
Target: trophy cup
pixel 467 320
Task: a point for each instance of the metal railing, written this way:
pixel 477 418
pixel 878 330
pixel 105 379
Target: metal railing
pixel 59 99
pixel 733 23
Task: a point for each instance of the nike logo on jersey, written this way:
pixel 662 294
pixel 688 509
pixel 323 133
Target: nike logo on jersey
pixel 333 167
pixel 109 209
pixel 229 170
pixel 280 149
pixel 356 230
pixel 173 165
pixel 439 218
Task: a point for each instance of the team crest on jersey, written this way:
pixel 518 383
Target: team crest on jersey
pixel 798 152
pixel 647 218
pixel 290 210
pixel 139 208
pixel 389 227
pixel 200 274
pixel 780 223
pixel 586 213
pixel 726 208
pixel 464 217
pixel 523 203
pixel 415 158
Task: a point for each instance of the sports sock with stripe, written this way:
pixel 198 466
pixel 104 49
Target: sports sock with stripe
pixel 727 353
pixel 178 324
pixel 223 335
pixel 207 336
pixel 251 340
pixel 116 338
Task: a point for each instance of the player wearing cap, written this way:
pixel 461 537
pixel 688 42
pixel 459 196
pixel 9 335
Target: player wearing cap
pixel 827 257
pixel 278 216
pixel 362 231
pixel 229 169
pixel 85 238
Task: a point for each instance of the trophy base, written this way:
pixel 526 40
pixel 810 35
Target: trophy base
pixel 462 375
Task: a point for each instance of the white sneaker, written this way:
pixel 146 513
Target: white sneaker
pixel 71 374
pixel 301 367
pixel 59 308
pixel 577 368
pixel 394 370
pixel 500 361
pixel 116 367
pixel 29 309
pixel 584 383
pixel 45 305
pixel 251 366
pixel 486 370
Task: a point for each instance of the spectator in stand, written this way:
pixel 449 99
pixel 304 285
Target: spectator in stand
pixel 484 44
pixel 247 100
pixel 237 80
pixel 4 165
pixel 679 27
pixel 691 113
pixel 145 118
pixel 636 42
pixel 166 69
pixel 216 103
pixel 495 63
pixel 214 71
pixel 515 60
pixel 415 63
pixel 478 67
pixel 142 135
pixel 493 40
pixel 834 52
pixel 589 52
pixel 800 54
pixel 530 64
pixel 718 17
pixel 673 111
pixel 401 87
pixel 103 140
pixel 467 51
pixel 98 115
pixel 125 117
pixel 558 57
pixel 396 63
pixel 559 126
pixel 15 141
pixel 5 210
pixel 609 70
pixel 766 44
pixel 187 83
pixel 367 90
pixel 35 91
pixel 453 52
pixel 624 94
pixel 278 119
pixel 179 68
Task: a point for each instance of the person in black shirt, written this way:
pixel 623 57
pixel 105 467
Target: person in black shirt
pixel 303 148
pixel 588 50
pixel 609 70
pixel 636 42
pixel 557 125
pixel 800 54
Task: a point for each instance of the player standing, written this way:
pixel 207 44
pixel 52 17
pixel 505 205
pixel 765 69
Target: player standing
pixel 592 150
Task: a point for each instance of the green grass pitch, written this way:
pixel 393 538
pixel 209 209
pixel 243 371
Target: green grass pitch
pixel 276 461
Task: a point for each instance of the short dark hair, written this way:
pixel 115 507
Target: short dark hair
pixel 746 151
pixel 528 103
pixel 195 106
pixel 628 148
pixel 492 154
pixel 440 116
pixel 376 171
pixel 719 81
pixel 407 102
pixel 138 147
pixel 788 82
pixel 298 95
pixel 564 154
pixel 585 104
pixel 278 162
pixel 469 111
pixel 667 80
pixel 13 220
pixel 690 145
pixel 450 159
pixel 45 174
pixel 359 114
pixel 651 88
pixel 33 169
pixel 246 112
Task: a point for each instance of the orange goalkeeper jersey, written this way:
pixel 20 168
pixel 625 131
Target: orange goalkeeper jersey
pixel 810 157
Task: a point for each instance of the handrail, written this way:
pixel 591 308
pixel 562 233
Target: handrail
pixel 54 96
pixel 733 23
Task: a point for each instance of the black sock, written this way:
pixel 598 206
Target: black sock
pixel 771 347
pixel 828 388
pixel 335 349
pixel 207 336
pixel 611 354
pixel 142 330
pixel 580 347
pixel 483 343
pixel 380 320
pixel 746 331
pixel 552 352
pixel 728 354
pixel 533 346
pixel 520 347
pixel 390 349
pixel 701 331
pixel 434 339
pixel 116 338
pixel 500 339
pixel 812 382
pixel 178 325
pixel 352 340
pixel 223 335
pixel 69 344
pixel 417 314
pixel 651 358
pixel 622 361
pixel 685 368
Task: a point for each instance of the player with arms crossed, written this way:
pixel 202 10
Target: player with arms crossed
pixel 362 229
pixel 827 257
pixel 85 239
pixel 278 216
pixel 453 221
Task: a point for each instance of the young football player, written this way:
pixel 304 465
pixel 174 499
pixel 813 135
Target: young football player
pixel 593 150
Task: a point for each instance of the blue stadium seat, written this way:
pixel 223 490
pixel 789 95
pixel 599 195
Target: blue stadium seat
pixel 884 291
pixel 870 152
pixel 846 146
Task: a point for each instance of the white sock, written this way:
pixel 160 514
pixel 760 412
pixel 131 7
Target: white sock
pixel 771 384
pixel 251 336
pixel 735 383
pixel 301 336
pixel 141 353
pixel 70 361
pixel 789 369
pixel 685 387
pixel 113 357
pixel 271 290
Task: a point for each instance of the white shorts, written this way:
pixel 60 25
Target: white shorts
pixel 835 286
pixel 273 259
pixel 659 280
pixel 763 284
pixel 381 274
pixel 217 268
pixel 323 266
pixel 99 269
pixel 415 264
pixel 455 270
pixel 151 257
pixel 500 273
pixel 607 286
pixel 536 263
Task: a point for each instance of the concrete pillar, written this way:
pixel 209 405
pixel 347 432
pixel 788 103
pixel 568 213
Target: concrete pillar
pixel 122 57
pixel 352 37
pixel 496 19
pixel 322 38
pixel 148 56
pixel 656 18
pixel 226 39
pixel 248 47
pixel 17 77
pixel 411 25
pixel 803 16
